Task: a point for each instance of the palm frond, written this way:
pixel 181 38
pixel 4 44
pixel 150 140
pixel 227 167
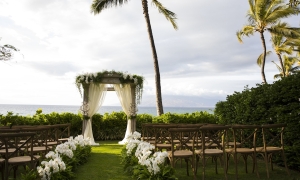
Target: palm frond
pixel 99 5
pixel 260 58
pixel 277 76
pixel 251 14
pixel 289 32
pixel 281 12
pixel 277 66
pixel 170 16
pixel 246 31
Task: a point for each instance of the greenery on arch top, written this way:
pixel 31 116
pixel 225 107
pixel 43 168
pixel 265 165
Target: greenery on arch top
pixel 124 78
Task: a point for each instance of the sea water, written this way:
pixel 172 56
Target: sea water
pixel 25 110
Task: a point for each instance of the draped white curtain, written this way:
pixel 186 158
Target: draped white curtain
pixel 96 97
pixel 124 94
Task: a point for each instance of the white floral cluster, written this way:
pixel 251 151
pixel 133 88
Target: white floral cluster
pixel 153 162
pixel 79 140
pixel 88 77
pixel 132 141
pixel 144 153
pixel 85 77
pixel 55 164
pixel 126 75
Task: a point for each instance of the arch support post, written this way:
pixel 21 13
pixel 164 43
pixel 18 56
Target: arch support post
pixel 85 103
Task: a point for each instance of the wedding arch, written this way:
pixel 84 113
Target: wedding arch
pixel 128 87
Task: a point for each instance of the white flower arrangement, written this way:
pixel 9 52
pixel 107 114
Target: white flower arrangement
pixel 56 164
pixel 144 153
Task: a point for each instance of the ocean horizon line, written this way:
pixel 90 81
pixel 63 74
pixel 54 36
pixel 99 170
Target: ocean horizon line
pixel 26 109
pixel 109 105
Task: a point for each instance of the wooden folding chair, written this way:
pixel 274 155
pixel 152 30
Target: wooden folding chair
pixel 148 133
pixel 212 145
pixel 244 145
pixel 273 144
pixel 40 140
pixel 20 142
pixel 2 166
pixel 63 132
pixel 163 136
pixel 180 137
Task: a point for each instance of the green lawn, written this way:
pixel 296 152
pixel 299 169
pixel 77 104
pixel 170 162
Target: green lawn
pixel 104 164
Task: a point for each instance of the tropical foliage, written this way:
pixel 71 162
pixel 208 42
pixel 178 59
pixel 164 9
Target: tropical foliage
pixel 285 46
pixel 262 16
pixel 289 68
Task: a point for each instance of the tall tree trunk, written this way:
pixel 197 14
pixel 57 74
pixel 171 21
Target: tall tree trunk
pixel 264 58
pixel 159 106
pixel 281 63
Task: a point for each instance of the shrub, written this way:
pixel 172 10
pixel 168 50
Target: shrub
pixel 268 104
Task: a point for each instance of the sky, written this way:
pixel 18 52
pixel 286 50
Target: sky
pixel 200 64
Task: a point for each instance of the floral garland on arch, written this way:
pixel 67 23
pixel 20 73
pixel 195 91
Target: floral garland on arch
pixel 124 78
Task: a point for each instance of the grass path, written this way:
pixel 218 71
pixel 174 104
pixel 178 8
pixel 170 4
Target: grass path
pixel 104 164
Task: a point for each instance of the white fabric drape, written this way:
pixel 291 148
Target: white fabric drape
pixel 124 94
pixel 96 94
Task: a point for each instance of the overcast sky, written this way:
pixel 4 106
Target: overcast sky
pixel 200 63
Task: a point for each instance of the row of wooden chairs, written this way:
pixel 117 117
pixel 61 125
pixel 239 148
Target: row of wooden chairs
pixel 26 145
pixel 199 141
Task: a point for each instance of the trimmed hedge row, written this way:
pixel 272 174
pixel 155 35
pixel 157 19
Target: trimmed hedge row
pixel 268 104
pixel 105 127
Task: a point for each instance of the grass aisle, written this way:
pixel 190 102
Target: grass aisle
pixel 104 164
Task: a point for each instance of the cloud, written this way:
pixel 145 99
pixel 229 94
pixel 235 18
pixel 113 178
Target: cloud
pixel 61 38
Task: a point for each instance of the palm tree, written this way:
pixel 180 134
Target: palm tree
pixel 282 45
pixel 289 67
pixel 262 15
pixel 98 5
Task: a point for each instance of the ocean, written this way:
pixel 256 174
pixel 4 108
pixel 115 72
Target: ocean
pixel 25 110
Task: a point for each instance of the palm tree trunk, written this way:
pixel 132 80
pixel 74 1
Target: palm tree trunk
pixel 281 63
pixel 159 106
pixel 264 58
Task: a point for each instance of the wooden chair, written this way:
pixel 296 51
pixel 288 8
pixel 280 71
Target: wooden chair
pixel 244 145
pixel 212 145
pixel 148 132
pixel 273 144
pixel 2 144
pixel 20 155
pixel 63 132
pixel 52 136
pixel 180 137
pixel 197 143
pixel 40 140
pixel 2 166
pixel 163 136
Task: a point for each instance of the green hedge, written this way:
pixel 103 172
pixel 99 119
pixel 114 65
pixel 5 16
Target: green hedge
pixel 105 127
pixel 268 104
